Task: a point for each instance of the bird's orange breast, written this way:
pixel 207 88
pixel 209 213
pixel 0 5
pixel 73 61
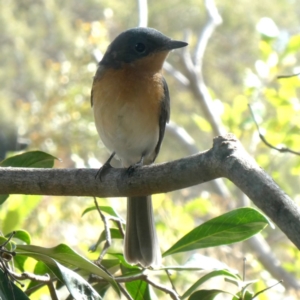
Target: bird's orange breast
pixel 127 103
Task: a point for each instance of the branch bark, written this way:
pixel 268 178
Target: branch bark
pixel 227 158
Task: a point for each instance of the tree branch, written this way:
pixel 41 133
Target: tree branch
pixel 227 159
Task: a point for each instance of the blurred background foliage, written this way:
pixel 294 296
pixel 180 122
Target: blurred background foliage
pixel 49 52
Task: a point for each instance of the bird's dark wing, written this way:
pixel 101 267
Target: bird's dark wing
pixel 164 116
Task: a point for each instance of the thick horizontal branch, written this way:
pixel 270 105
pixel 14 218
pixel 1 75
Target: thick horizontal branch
pixel 227 158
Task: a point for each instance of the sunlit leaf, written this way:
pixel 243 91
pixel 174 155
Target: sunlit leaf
pixel 66 256
pixel 138 289
pixel 31 159
pixel 22 235
pixel 108 209
pixel 19 261
pixel 234 226
pixel 208 276
pixel 122 260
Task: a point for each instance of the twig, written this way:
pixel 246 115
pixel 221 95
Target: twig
pixel 214 19
pixel 244 268
pixel 144 277
pixel 176 74
pixel 262 291
pixel 52 291
pixel 287 76
pixel 143 13
pixel 163 288
pixel 26 275
pixel 281 149
pixel 105 221
pixel 107 233
pixel 170 279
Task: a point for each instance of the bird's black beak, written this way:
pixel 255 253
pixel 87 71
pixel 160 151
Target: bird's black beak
pixel 176 44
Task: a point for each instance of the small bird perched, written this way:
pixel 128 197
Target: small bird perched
pixel 131 104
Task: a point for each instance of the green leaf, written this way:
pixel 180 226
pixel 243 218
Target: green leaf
pixel 122 261
pixel 206 277
pixel 66 256
pixel 8 290
pixel 110 263
pixel 115 234
pixel 138 289
pixel 234 226
pixel 108 209
pixel 19 261
pixel 101 288
pixel 207 294
pixel 3 198
pixel 21 235
pixel 77 286
pixel 31 159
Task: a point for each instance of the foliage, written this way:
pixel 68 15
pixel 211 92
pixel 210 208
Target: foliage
pixel 49 55
pixel 70 269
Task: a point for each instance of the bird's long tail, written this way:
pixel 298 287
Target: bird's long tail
pixel 141 243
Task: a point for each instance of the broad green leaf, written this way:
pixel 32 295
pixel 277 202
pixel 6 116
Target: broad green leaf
pixel 109 263
pixel 122 261
pixel 138 289
pixel 108 209
pixel 248 295
pixel 19 261
pixel 207 294
pixel 8 290
pixel 206 277
pixel 21 235
pixel 77 286
pixel 47 260
pixel 234 226
pixel 31 159
pixel 68 257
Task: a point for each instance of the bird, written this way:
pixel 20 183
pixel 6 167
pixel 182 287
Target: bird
pixel 131 106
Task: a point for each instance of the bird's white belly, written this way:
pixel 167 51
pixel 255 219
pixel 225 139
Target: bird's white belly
pixel 128 131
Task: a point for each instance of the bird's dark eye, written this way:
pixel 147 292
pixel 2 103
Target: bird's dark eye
pixel 140 47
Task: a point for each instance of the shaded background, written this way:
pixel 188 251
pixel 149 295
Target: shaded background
pixel 49 52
